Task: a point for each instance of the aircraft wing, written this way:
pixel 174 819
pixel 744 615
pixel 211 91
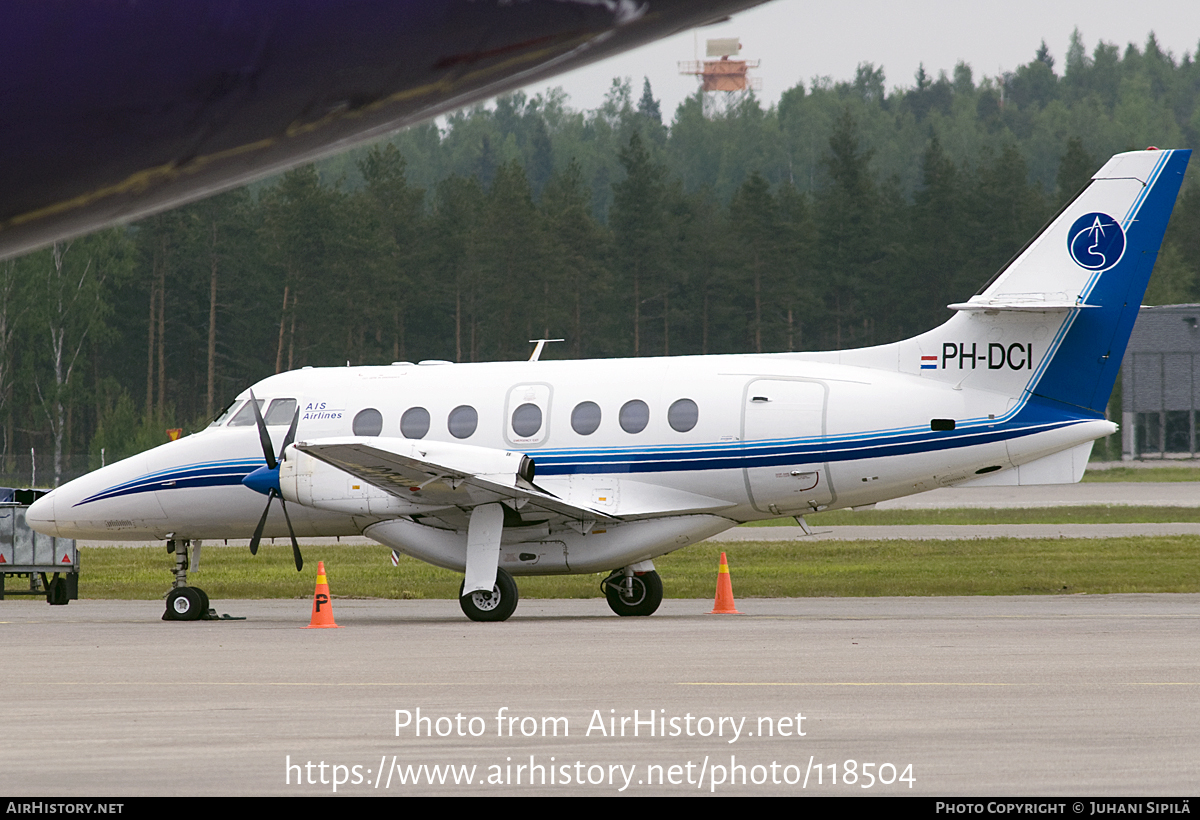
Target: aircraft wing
pixel 466 476
pixel 440 473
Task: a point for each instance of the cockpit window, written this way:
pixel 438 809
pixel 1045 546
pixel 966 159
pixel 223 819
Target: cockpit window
pixel 245 416
pixel 225 414
pixel 278 414
pixel 281 411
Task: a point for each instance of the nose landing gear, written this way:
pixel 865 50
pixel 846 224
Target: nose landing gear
pixel 185 603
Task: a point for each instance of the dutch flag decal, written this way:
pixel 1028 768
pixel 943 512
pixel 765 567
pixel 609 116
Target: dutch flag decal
pixel 929 362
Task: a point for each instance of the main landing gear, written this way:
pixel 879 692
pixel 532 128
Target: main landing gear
pixel 633 593
pixel 185 603
pixel 496 605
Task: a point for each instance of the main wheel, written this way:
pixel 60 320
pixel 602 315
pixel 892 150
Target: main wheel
pixel 638 595
pixel 183 604
pixel 497 605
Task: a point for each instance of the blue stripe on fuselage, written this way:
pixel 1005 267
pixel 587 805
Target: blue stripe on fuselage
pixel 215 474
pixel 746 455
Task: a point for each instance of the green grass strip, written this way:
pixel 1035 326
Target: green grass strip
pixel 1032 515
pixel 1140 474
pixel 759 569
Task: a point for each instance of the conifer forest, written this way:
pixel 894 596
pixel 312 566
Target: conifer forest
pixel 848 214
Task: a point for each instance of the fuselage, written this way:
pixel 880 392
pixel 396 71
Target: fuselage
pixel 759 435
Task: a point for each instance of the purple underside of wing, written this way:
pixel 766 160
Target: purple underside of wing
pixel 196 96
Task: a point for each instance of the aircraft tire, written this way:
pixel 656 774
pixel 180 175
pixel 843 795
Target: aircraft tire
pixel 183 604
pixel 647 593
pixel 495 607
pixel 203 601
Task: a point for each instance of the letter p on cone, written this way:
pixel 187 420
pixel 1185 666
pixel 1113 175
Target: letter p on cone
pixel 724 602
pixel 322 611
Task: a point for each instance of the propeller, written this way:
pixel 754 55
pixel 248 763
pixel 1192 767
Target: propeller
pixel 265 480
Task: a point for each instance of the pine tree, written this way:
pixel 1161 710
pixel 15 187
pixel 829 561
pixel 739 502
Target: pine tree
pixel 397 209
pixel 638 222
pixel 1074 170
pixel 848 225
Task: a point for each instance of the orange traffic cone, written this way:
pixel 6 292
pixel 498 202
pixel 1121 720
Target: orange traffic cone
pixel 724 602
pixel 322 611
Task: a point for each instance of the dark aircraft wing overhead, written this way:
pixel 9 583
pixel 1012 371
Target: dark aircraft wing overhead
pixel 114 110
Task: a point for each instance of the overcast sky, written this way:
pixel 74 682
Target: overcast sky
pixel 800 39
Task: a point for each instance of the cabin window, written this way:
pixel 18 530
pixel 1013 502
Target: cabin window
pixel 463 421
pixel 368 422
pixel 527 420
pixel 585 418
pixel 414 423
pixel 683 415
pixel 245 416
pixel 282 411
pixel 634 416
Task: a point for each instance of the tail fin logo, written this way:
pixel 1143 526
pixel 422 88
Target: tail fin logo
pixel 1096 242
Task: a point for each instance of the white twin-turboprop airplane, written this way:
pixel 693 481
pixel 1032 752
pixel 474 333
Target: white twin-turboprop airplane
pixel 555 467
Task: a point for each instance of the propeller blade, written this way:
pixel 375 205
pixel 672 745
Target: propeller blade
pixel 263 436
pixel 295 547
pixel 291 433
pixel 262 522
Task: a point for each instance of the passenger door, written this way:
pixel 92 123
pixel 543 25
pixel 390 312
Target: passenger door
pixel 783 440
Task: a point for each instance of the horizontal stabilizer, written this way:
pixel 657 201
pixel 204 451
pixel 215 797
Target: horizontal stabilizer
pixel 1065 467
pixel 1027 302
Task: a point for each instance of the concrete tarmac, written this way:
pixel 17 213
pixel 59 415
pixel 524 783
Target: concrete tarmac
pixel 1071 696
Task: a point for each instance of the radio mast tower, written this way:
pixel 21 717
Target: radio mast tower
pixel 724 81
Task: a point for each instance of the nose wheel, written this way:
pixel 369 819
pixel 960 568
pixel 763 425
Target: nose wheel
pixel 633 593
pixel 185 603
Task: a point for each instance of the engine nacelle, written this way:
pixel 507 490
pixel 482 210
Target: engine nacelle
pixel 313 483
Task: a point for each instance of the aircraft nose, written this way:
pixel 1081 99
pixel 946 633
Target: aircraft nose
pixel 40 515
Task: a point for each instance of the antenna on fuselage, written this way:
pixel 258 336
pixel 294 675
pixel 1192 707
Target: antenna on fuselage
pixel 537 351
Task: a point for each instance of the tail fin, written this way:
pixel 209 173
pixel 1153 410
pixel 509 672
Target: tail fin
pixel 1090 267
